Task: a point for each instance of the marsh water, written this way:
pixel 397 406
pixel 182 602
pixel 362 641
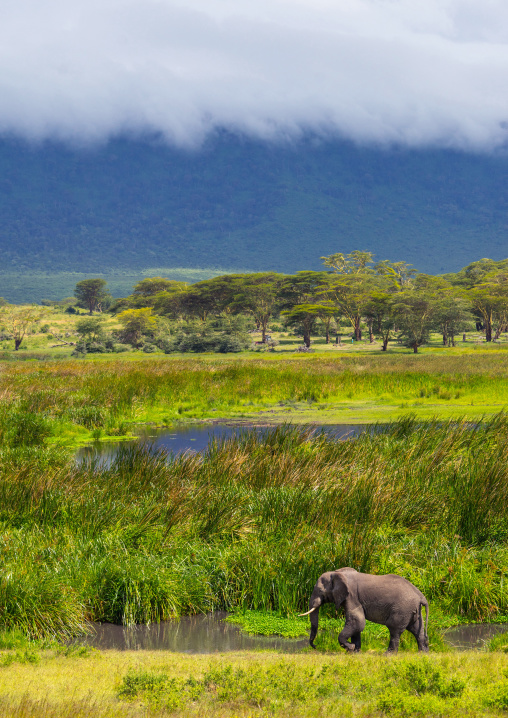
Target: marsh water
pixel 473 636
pixel 197 437
pixel 190 634
pixel 212 634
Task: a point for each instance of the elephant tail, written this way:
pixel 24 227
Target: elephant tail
pixel 426 606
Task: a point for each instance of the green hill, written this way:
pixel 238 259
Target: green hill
pixel 128 206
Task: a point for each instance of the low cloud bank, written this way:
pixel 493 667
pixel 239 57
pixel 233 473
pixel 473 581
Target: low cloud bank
pixel 384 71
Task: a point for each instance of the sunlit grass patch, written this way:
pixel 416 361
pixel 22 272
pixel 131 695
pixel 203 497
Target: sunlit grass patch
pixel 255 684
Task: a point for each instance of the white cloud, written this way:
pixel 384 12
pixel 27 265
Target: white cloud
pixel 433 72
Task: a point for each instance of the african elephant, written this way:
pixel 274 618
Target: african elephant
pixel 390 600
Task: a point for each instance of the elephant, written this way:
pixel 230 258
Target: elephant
pixel 390 600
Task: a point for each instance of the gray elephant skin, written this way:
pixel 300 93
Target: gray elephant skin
pixel 390 600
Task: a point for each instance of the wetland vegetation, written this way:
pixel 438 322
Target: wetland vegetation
pixel 249 524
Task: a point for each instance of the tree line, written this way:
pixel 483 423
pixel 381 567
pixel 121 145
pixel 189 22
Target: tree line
pixel 384 300
pixel 381 300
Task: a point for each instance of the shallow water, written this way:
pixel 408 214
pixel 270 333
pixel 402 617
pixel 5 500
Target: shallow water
pixel 211 634
pixel 190 634
pixel 473 636
pixel 197 437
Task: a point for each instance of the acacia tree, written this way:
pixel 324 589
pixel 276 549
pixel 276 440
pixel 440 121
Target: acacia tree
pixel 18 320
pixel 257 294
pixel 356 262
pixel 300 298
pixel 379 315
pixel 490 302
pixel 400 274
pixel 305 317
pixel 156 292
pixel 136 324
pixel 91 329
pixel 209 297
pixel 412 312
pixel 450 316
pixel 351 295
pixel 350 292
pixel 92 295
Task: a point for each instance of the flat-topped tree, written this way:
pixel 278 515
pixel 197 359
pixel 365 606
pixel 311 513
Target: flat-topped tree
pixel 412 312
pixel 92 295
pixel 156 292
pixel 356 262
pixel 302 301
pixel 490 303
pixel 257 294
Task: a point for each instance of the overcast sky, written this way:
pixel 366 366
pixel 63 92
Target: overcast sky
pixel 418 72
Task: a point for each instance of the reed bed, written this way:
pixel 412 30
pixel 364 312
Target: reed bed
pixel 252 522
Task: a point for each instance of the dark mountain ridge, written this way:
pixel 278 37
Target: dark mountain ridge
pixel 243 204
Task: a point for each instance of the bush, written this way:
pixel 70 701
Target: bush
pixel 93 347
pixel 205 340
pixel 96 348
pixel 497 696
pixel 230 344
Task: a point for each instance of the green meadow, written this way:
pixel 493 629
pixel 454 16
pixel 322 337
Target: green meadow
pixel 251 523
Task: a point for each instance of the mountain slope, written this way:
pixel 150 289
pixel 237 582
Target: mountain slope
pixel 242 204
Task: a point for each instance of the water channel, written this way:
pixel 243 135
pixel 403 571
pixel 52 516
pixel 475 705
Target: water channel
pixel 211 634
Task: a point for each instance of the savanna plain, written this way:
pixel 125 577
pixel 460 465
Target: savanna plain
pixel 249 525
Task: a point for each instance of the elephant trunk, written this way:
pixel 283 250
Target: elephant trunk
pixel 315 603
pixel 314 621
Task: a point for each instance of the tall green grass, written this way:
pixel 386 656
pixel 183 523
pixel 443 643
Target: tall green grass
pixel 87 396
pixel 252 522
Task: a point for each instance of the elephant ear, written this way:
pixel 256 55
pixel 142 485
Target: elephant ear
pixel 340 588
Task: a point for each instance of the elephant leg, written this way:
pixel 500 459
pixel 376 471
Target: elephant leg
pixel 344 636
pixel 355 623
pixel 416 628
pixel 393 646
pixel 356 639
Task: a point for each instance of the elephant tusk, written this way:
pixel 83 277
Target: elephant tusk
pixel 306 614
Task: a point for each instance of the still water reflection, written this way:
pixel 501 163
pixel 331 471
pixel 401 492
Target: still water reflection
pixel 211 634
pixel 466 638
pixel 191 634
pixel 197 437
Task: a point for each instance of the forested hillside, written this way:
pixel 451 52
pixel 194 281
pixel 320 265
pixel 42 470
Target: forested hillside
pixel 238 204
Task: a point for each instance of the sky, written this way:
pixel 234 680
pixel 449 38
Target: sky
pixel 407 72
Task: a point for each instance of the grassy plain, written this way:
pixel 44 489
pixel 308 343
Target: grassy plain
pixel 111 684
